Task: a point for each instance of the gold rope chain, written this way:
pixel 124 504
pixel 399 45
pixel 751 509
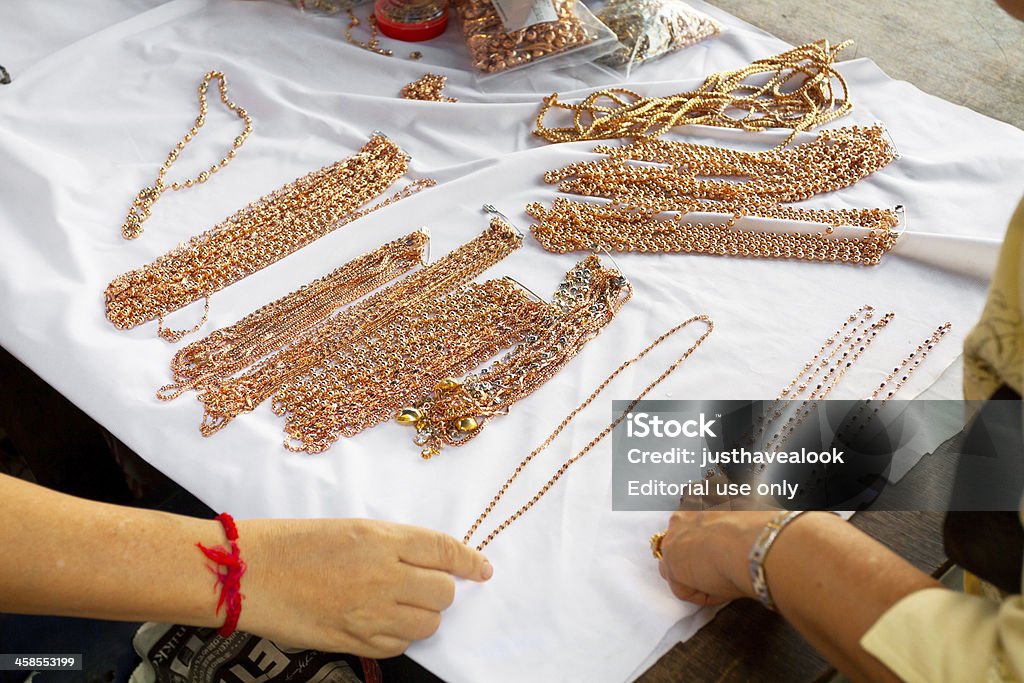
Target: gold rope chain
pixel 708 322
pixel 793 90
pixel 143 203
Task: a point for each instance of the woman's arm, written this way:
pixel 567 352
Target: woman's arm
pixel 356 586
pixel 831 581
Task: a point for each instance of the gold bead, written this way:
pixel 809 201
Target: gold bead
pixel 408 416
pixel 466 424
pixel 448 384
pixel 428 453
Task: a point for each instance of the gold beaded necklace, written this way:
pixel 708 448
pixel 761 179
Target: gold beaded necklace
pixel 583 226
pixel 143 203
pixel 710 326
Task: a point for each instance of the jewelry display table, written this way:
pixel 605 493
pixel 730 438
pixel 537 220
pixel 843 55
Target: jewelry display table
pixel 89 117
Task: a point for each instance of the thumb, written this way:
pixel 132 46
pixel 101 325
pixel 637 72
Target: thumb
pixel 434 550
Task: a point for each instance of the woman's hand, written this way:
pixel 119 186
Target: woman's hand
pixel 704 554
pixel 349 585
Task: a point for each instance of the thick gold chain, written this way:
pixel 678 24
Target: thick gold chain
pixel 798 89
pixel 693 177
pixel 233 348
pixel 258 235
pixel 699 178
pixel 456 412
pixel 593 442
pixel 581 226
pixel 143 203
pixel 223 400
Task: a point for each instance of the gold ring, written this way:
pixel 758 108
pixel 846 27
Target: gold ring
pixel 656 540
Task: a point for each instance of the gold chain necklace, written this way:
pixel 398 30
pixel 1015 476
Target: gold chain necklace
pixel 798 93
pixel 365 381
pixel 838 365
pixel 143 203
pixel 456 412
pixel 693 175
pixel 258 235
pixel 907 367
pixel 582 226
pixel 593 442
pixel 373 45
pixel 223 400
pixel 235 347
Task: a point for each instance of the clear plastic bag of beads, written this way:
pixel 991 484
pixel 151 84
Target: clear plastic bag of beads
pixel 504 35
pixel 649 29
pixel 325 6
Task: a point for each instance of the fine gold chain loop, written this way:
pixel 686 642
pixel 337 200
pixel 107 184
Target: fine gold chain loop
pixel 793 90
pixel 174 336
pixel 143 202
pixel 710 326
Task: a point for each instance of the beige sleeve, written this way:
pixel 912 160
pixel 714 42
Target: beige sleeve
pixel 938 635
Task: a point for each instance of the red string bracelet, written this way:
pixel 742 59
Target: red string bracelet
pixel 229 571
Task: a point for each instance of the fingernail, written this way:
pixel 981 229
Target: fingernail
pixel 487 571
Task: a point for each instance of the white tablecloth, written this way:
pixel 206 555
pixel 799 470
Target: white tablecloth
pixel 575 595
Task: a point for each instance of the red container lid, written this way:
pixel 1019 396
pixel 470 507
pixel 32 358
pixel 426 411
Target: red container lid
pixel 412 33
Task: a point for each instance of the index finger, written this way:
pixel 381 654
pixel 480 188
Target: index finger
pixel 435 550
